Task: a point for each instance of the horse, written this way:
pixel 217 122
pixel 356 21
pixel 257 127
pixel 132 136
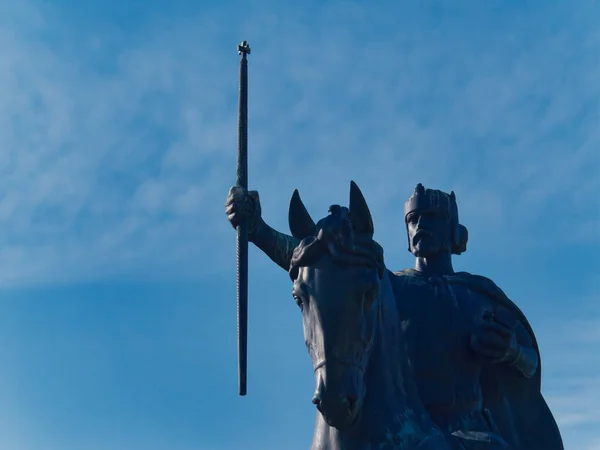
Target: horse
pixel 365 395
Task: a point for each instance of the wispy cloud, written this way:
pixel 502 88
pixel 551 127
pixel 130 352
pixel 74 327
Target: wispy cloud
pixel 122 163
pixel 570 364
pixel 117 148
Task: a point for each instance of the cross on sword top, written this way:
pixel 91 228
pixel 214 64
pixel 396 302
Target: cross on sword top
pixel 244 48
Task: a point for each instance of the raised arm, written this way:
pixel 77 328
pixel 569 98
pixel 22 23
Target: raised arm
pixel 242 205
pixel 277 246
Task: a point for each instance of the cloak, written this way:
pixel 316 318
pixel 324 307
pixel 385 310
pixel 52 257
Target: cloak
pixel 516 404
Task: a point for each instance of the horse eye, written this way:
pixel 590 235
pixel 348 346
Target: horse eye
pixel 369 297
pixel 298 301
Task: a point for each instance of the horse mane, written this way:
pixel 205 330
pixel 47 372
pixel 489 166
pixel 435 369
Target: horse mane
pixel 337 236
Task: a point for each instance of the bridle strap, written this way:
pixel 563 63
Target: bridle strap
pixel 342 362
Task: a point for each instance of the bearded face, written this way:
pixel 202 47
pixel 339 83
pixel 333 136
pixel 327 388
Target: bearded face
pixel 429 233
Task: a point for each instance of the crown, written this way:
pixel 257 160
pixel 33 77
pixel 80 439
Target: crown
pixel 428 200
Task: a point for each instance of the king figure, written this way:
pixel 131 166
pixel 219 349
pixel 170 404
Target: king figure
pixel 473 353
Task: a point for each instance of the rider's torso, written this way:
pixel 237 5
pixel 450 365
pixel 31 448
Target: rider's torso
pixel 437 321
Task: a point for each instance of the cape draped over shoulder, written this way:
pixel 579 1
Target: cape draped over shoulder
pixel 517 406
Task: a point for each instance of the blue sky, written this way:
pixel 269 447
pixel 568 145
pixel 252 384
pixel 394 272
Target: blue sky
pixel 118 146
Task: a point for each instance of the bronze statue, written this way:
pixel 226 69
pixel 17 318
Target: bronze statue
pixel 365 395
pixel 460 360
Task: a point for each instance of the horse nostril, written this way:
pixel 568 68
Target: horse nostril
pixel 349 402
pixel 317 398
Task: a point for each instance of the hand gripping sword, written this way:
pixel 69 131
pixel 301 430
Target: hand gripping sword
pixel 242 229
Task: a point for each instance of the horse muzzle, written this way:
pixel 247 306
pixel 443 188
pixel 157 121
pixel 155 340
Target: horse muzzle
pixel 339 398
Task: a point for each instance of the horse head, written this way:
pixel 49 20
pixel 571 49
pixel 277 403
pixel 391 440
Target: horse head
pixel 337 270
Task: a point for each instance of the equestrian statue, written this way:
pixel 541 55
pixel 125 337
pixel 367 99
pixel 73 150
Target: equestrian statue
pixel 424 358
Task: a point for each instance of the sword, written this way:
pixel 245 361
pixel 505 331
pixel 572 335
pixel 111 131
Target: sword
pixel 242 229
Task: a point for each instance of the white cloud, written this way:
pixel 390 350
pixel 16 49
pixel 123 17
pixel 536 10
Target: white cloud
pixel 577 404
pixel 120 163
pixel 570 362
pixel 117 149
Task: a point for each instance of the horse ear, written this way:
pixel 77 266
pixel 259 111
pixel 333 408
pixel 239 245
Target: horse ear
pixel 301 224
pixel 359 211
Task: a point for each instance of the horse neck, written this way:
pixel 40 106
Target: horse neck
pixel 391 407
pixel 389 380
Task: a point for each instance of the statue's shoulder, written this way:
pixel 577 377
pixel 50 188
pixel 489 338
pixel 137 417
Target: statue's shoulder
pixel 487 287
pixel 477 282
pixel 406 274
pixel 407 278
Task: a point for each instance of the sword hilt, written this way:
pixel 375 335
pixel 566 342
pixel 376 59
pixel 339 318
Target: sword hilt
pixel 244 49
